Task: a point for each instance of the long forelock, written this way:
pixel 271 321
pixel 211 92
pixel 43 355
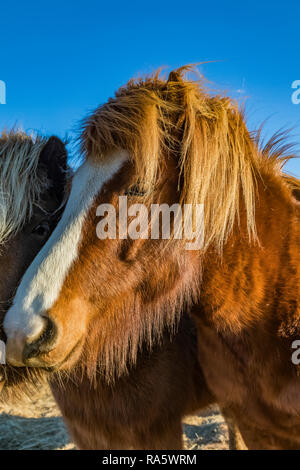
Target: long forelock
pixel 219 161
pixel 21 184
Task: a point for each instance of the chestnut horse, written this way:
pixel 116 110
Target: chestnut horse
pixel 32 187
pixel 170 142
pixel 122 415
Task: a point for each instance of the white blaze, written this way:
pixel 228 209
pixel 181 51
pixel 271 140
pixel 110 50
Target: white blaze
pixel 43 280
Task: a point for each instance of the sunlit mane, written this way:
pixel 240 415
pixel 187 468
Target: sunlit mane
pixel 20 183
pixel 217 158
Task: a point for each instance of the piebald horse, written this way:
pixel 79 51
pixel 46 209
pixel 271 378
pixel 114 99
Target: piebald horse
pixel 33 179
pixel 87 305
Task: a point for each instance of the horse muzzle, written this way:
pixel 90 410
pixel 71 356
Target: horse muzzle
pixel 24 350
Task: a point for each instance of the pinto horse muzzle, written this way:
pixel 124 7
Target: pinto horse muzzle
pixel 23 350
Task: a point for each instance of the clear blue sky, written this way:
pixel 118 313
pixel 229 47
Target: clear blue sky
pixel 60 59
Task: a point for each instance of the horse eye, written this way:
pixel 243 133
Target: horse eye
pixel 296 194
pixel 42 229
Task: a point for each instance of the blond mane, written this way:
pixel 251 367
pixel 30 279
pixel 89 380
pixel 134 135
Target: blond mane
pixel 20 183
pixel 218 159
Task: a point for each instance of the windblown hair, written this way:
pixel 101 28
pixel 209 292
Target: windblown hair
pixel 216 157
pixel 21 184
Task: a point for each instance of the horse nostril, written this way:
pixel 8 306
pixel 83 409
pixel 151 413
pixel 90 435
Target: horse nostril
pixel 43 343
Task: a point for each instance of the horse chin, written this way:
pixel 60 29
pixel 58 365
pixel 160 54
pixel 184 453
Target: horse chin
pixel 72 357
pixel 52 362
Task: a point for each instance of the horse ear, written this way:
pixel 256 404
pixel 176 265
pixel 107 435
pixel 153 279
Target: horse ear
pixel 53 160
pixel 175 76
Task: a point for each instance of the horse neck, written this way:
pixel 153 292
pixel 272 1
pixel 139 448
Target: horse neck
pixel 258 279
